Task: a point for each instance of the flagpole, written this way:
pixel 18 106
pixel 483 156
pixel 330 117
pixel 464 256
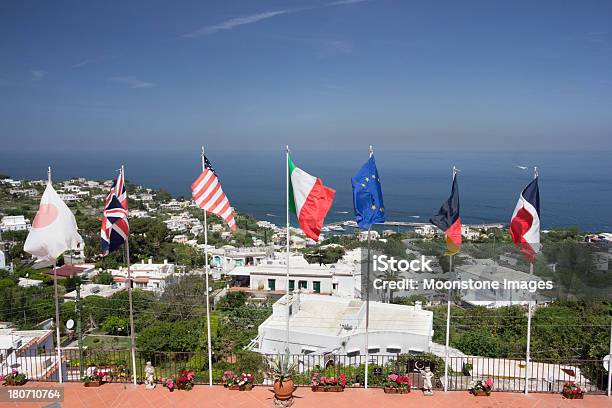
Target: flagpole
pixel 129 280
pixel 57 314
pixel 610 364
pixel 57 325
pixel 288 248
pixel 529 312
pixel 528 350
pixel 448 313
pixel 210 378
pixel 367 328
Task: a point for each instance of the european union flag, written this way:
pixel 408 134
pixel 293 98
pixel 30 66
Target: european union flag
pixel 367 196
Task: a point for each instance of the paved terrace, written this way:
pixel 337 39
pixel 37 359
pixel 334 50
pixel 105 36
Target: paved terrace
pixel 122 395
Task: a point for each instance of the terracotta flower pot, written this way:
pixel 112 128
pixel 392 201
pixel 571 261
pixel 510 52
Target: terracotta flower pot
pixel 283 390
pixel 481 393
pixel 331 388
pixel 569 395
pixel 234 387
pixel 93 384
pixel 392 390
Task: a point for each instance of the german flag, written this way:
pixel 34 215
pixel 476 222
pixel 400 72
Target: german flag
pixel 448 220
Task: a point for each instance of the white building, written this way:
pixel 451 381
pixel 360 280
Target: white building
pixel 27 282
pixel 426 230
pixel 327 324
pixel 69 197
pixel 2 260
pixel 489 270
pixel 146 276
pixel 340 279
pixel 14 223
pixel 363 235
pixel 30 352
pixel 228 257
pixel 94 289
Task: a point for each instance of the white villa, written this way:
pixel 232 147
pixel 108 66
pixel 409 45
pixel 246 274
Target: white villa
pixel 489 270
pixel 146 276
pixel 341 279
pixel 94 289
pixel 327 324
pixel 14 223
pixel 228 257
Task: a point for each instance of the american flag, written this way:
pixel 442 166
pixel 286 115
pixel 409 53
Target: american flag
pixel 209 196
pixel 115 226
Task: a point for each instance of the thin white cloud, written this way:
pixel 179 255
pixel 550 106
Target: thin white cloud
pixel 92 60
pixel 131 82
pixel 343 2
pixel 38 74
pixel 235 22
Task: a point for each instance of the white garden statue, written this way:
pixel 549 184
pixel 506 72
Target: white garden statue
pixel 427 377
pixel 149 376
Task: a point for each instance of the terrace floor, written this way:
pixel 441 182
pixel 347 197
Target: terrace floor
pixel 121 395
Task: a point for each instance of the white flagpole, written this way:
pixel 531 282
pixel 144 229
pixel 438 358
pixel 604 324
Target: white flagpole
pixel 610 364
pixel 448 313
pixel 529 313
pixel 210 378
pixel 528 350
pixel 288 248
pixel 57 313
pixel 367 326
pixel 446 344
pixel 129 280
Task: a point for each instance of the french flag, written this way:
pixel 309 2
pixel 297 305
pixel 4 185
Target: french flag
pixel 525 224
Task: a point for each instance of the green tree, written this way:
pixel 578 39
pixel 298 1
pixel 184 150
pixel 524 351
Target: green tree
pixel 115 325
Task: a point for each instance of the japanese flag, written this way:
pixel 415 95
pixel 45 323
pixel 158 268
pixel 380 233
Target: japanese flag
pixel 54 230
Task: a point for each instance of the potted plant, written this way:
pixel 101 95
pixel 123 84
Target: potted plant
pixel 168 383
pixel 572 391
pixel 95 379
pixel 230 380
pixel 247 381
pixel 327 384
pixel 15 378
pixel 184 380
pixel 281 369
pixel 481 388
pixel 397 384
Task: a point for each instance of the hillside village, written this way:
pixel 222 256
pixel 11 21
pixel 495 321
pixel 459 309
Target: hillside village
pixel 249 284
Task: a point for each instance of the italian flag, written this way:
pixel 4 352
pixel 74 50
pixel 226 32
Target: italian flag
pixel 309 199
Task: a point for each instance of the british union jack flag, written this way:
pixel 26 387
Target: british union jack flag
pixel 115 226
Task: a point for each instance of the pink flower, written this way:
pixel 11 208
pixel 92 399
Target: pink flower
pixel 392 377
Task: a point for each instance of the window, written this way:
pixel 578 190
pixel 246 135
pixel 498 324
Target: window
pixel 394 350
pixel 271 284
pixel 316 287
pixel 375 350
pixel 334 286
pixel 291 285
pixel 303 285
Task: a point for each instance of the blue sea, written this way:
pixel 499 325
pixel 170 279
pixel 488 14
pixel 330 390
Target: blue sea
pixel 575 187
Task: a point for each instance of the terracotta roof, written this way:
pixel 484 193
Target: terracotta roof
pixel 67 271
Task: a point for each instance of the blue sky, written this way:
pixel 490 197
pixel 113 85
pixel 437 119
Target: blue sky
pixel 315 74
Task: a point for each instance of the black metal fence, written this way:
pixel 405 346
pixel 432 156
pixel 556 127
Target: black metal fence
pixel 507 374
